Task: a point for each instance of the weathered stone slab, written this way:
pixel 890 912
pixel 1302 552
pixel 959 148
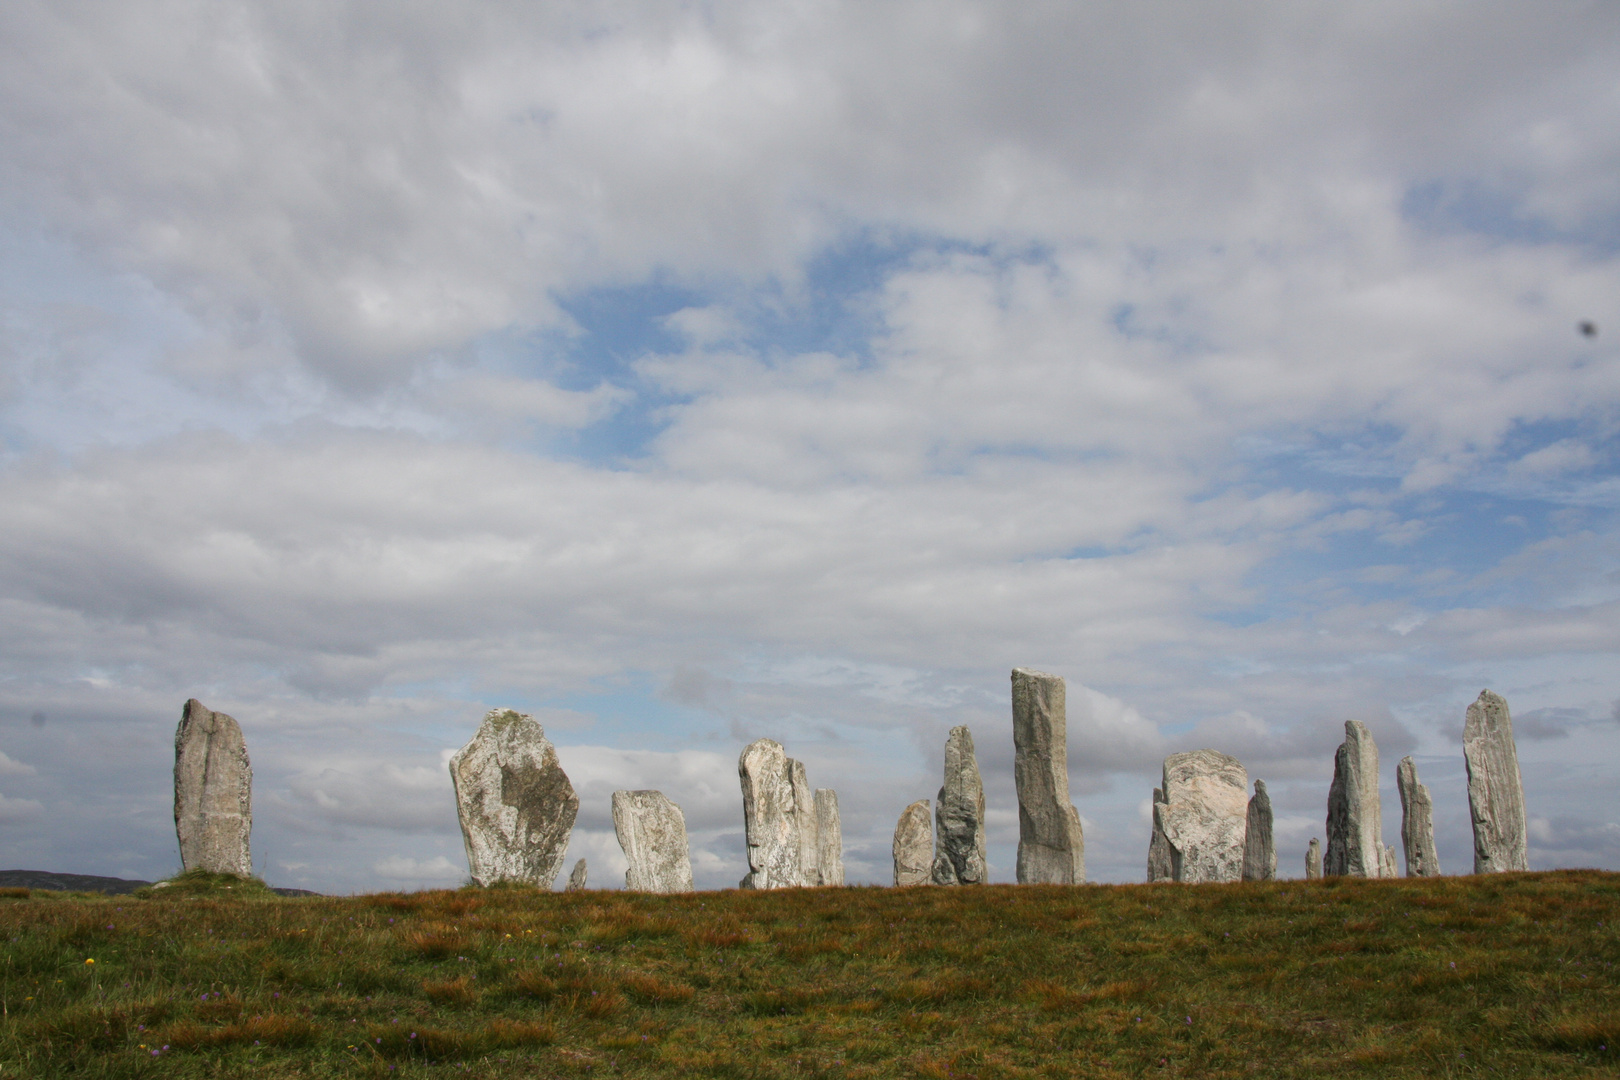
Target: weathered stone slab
pixel 1259 854
pixel 804 819
pixel 1051 847
pixel 960 840
pixel 1417 822
pixel 770 824
pixel 1495 788
pixel 1159 868
pixel 1355 821
pixel 576 879
pixel 913 846
pixel 829 837
pixel 652 832
pixel 1313 860
pixel 1204 815
pixel 516 805
pixel 213 792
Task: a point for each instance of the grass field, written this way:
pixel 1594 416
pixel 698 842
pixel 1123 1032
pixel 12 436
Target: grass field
pixel 1509 975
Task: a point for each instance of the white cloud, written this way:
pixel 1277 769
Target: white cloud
pixel 406 868
pixel 11 767
pixel 13 811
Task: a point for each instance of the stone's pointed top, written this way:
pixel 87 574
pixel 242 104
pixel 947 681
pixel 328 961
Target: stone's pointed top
pixel 1031 673
pixel 1259 787
pixel 913 846
pixel 213 792
pixel 516 805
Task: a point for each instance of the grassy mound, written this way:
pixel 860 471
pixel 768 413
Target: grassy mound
pixel 1512 975
pixel 194 884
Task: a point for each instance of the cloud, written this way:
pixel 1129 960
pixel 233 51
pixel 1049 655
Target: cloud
pixel 11 767
pixel 405 868
pixel 13 811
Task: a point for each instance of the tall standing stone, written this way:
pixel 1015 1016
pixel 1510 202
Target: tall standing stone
pixel 770 826
pixel 516 805
pixel 576 879
pixel 1259 854
pixel 1051 847
pixel 652 832
pixel 1313 860
pixel 830 837
pixel 1204 815
pixel 913 846
pixel 1495 788
pixel 213 792
pixel 1417 822
pixel 960 841
pixel 1355 821
pixel 804 820
pixel 1159 868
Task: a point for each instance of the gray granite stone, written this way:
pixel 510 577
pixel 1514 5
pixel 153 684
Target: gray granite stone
pixel 960 841
pixel 830 837
pixel 1355 821
pixel 516 805
pixel 1204 815
pixel 652 832
pixel 1051 846
pixel 1313 860
pixel 213 792
pixel 1417 822
pixel 770 824
pixel 804 819
pixel 1159 868
pixel 913 846
pixel 1259 854
pixel 1495 788
pixel 576 878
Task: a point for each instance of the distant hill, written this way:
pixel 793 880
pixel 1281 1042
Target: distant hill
pixel 112 886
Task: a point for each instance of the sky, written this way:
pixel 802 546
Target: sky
pixel 686 374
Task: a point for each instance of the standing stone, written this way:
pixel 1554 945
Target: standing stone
pixel 1313 860
pixel 770 827
pixel 1417 822
pixel 516 805
pixel 804 820
pixel 1390 867
pixel 1495 788
pixel 960 836
pixel 1355 822
pixel 576 880
pixel 830 837
pixel 1159 868
pixel 1204 815
pixel 652 832
pixel 1259 855
pixel 1051 847
pixel 213 790
pixel 913 846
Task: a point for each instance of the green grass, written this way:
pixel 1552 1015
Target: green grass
pixel 1508 975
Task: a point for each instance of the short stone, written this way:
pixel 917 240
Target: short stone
pixel 1051 845
pixel 830 837
pixel 960 842
pixel 576 879
pixel 652 832
pixel 1495 788
pixel 1159 868
pixel 1417 822
pixel 913 846
pixel 1259 855
pixel 1204 816
pixel 1313 860
pixel 213 792
pixel 516 805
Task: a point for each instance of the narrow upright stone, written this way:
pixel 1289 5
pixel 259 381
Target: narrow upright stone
pixel 1386 862
pixel 1355 821
pixel 652 832
pixel 516 805
pixel 1259 856
pixel 913 846
pixel 1159 868
pixel 830 837
pixel 1051 847
pixel 576 880
pixel 959 839
pixel 770 827
pixel 804 819
pixel 1313 860
pixel 1495 788
pixel 213 792
pixel 1204 815
pixel 1417 822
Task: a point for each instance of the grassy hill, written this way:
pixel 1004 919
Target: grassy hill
pixel 1509 975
